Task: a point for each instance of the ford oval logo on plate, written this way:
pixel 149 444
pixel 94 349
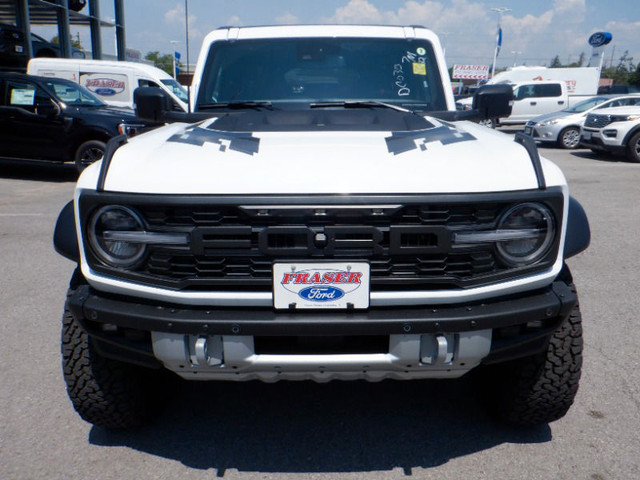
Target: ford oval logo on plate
pixel 321 294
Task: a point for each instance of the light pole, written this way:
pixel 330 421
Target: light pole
pixel 500 11
pixel 515 55
pixel 186 28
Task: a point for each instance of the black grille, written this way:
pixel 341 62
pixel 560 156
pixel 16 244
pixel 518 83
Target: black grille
pixel 234 248
pixel 408 245
pixel 597 121
pixel 188 271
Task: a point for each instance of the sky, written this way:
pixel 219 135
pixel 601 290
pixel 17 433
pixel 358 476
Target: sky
pixel 534 31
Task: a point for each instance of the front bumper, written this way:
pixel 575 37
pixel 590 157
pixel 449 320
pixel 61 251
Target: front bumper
pixel 542 133
pixel 594 139
pixel 421 342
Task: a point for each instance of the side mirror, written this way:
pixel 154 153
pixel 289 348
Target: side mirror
pixel 493 101
pixel 152 104
pixel 47 108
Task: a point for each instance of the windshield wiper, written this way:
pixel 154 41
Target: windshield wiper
pixel 235 105
pixel 359 104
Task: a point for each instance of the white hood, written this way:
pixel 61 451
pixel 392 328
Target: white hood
pixel 197 159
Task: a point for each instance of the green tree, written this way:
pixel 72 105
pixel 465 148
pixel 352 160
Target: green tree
pixel 634 78
pixel 557 63
pixel 622 73
pixel 162 61
pixel 579 62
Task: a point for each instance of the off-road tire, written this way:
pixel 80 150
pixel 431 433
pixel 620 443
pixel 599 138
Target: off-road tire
pixel 540 389
pixel 104 392
pixel 569 138
pixel 88 153
pixel 633 148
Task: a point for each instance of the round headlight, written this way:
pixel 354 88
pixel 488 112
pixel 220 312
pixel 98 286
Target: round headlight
pixel 532 228
pixel 103 231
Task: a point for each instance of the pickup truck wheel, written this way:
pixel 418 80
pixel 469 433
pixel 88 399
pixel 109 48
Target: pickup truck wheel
pixel 634 148
pixel 89 152
pixel 488 122
pixel 569 138
pixel 104 392
pixel 539 389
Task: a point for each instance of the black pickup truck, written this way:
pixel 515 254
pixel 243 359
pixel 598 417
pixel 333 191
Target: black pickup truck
pixel 57 120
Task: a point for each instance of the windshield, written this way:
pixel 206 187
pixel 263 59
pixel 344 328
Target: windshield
pixel 73 94
pixel 310 70
pixel 585 105
pixel 177 89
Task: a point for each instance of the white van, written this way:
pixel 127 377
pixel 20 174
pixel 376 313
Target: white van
pixel 581 81
pixel 113 82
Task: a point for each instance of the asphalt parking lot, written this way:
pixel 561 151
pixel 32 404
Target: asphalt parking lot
pixel 426 430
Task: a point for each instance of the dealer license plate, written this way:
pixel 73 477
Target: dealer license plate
pixel 340 285
pixel 586 135
pixel 528 130
pixel 18 48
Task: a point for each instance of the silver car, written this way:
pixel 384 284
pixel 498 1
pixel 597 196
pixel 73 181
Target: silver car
pixel 563 127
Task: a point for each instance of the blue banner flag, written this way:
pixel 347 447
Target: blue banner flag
pixel 176 55
pixel 499 40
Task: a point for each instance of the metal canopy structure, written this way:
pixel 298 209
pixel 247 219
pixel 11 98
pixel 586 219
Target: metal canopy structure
pixel 24 13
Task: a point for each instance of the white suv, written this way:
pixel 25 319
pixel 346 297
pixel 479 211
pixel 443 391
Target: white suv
pixel 615 130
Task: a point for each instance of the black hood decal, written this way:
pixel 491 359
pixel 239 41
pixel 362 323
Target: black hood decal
pixel 402 142
pixel 243 142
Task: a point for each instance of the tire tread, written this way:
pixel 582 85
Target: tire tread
pixel 104 392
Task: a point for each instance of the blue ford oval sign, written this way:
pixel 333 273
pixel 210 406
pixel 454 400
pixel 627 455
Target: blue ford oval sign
pixel 600 39
pixel 105 92
pixel 321 294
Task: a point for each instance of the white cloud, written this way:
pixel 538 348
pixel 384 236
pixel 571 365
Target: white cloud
pixel 287 19
pixel 177 16
pixel 356 11
pixel 235 21
pixel 625 33
pixel 467 28
pixel 176 21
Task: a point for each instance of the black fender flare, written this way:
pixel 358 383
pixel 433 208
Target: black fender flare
pixel 65 238
pixel 578 234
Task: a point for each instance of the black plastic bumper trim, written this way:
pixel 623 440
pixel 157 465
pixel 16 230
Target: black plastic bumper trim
pixel 556 300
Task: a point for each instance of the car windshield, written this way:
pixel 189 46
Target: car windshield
pixel 585 105
pixel 300 71
pixel 73 94
pixel 177 89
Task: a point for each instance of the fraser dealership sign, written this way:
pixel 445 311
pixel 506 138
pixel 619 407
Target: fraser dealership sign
pixel 471 72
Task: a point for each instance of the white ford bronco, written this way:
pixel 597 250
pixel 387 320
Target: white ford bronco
pixel 323 212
